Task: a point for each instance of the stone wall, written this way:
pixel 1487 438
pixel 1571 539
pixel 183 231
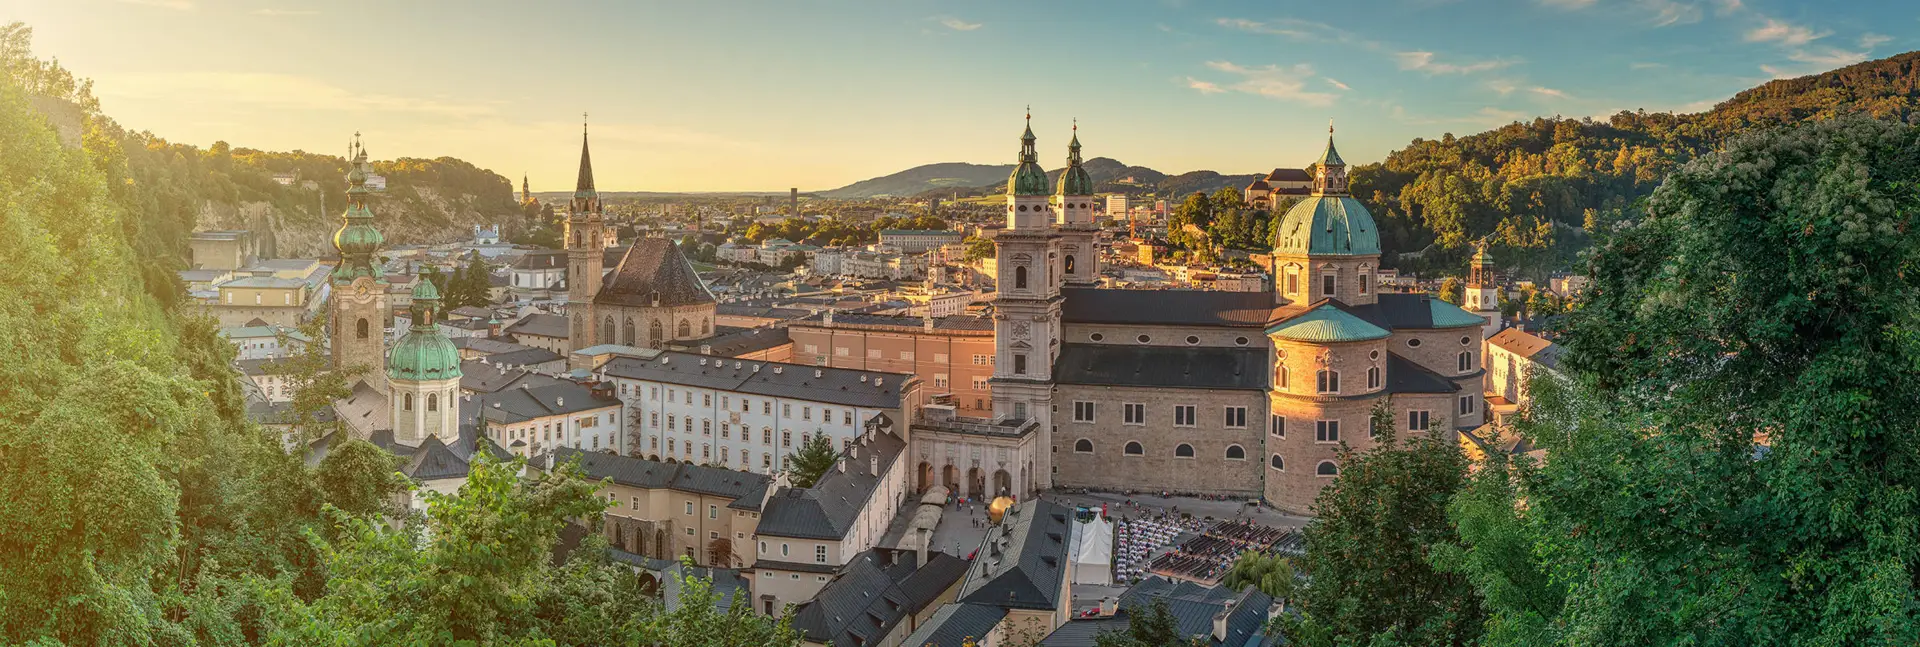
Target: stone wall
pixel 1108 466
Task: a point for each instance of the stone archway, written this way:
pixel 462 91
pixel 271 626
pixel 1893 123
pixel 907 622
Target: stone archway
pixel 1002 483
pixel 976 483
pixel 950 477
pixel 926 477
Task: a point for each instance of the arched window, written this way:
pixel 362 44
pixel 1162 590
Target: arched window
pixel 433 402
pixel 1183 450
pixel 360 328
pixel 1134 448
pixel 1281 377
pixel 609 333
pixel 1083 446
pixel 406 402
pixel 706 326
pixel 1236 453
pixel 1329 381
pixel 1020 277
pixel 1466 361
pixel 1327 468
pixel 1069 263
pixel 1275 463
pixel 1373 377
pixel 627 332
pixel 686 329
pixel 653 334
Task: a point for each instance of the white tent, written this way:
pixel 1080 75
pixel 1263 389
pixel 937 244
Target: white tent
pixel 1093 552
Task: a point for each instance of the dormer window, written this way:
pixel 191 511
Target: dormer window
pixel 1326 285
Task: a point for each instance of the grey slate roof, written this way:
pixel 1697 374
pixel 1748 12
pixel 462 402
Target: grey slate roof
pixel 953 624
pixel 1022 562
pixel 1080 632
pixel 1406 376
pixel 1192 367
pixel 829 508
pixel 759 310
pixel 487 377
pixel 524 357
pixel 539 324
pixel 264 366
pixel 750 340
pixel 1166 307
pixel 1193 607
pixel 487 345
pixel 541 260
pixel 870 596
pixel 816 383
pixel 654 268
pixel 514 405
pixel 947 323
pixel 657 475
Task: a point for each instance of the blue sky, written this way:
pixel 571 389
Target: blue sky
pixel 730 95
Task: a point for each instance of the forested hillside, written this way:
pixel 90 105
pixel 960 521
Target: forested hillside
pixel 1539 188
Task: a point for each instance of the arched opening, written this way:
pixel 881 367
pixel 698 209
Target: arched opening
pixel 608 333
pixel 1083 446
pixel 976 483
pixel 1134 448
pixel 433 402
pixel 686 329
pixel 1236 453
pixel 926 476
pixel 950 477
pixel 406 402
pixel 628 332
pixel 1020 277
pixel 706 326
pixel 1069 263
pixel 1276 463
pixel 1183 450
pixel 360 328
pixel 1327 468
pixel 1002 483
pixel 1329 381
pixel 654 332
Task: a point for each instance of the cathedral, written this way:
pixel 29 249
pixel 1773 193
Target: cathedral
pixel 1231 393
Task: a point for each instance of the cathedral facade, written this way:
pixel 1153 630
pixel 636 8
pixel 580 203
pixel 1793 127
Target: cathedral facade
pixel 1228 393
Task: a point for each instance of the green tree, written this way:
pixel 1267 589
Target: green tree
pixel 813 459
pixel 316 384
pixel 1734 460
pixel 1272 574
pixel 1453 290
pixel 1368 576
pixel 359 478
pixel 1152 626
pixel 979 248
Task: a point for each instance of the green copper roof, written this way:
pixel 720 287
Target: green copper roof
pixel 424 353
pixel 1326 324
pixel 1331 157
pixel 1075 180
pixel 1328 224
pixel 1027 178
pixel 1447 315
pixel 356 239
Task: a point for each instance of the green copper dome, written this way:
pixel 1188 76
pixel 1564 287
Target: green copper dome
pixel 356 239
pixel 1447 315
pixel 1327 324
pixel 424 353
pixel 1027 178
pixel 1328 224
pixel 1075 180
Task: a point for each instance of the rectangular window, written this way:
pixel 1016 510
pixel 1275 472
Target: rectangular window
pixel 906 355
pixel 810 348
pixel 940 380
pixel 846 417
pixel 766 408
pixel 1466 404
pixel 746 406
pixel 689 507
pixel 636 503
pixel 1364 280
pixel 726 431
pixel 840 351
pixel 726 454
pixel 1019 364
pixel 1183 415
pixel 1082 411
pixel 1134 413
pixel 786 439
pixel 653 419
pixel 939 358
pixel 713 511
pixel 1279 425
pixel 786 410
pixel 766 436
pixel 1326 285
pixel 979 384
pixel 982 360
pixel 706 427
pixel 1293 282
pixel 1329 381
pixel 820 554
pixel 1326 431
pixel 673 423
pixel 1417 420
pixel 806 413
pixel 873 353
pixel 1236 417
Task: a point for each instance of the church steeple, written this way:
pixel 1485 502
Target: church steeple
pixel 1027 199
pixel 1330 172
pixel 585 198
pixel 1075 181
pixel 585 238
pixel 526 195
pixel 357 240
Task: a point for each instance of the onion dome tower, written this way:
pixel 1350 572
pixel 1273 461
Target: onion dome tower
pixel 358 315
pixel 424 371
pixel 1073 209
pixel 1328 245
pixel 1027 187
pixel 1075 192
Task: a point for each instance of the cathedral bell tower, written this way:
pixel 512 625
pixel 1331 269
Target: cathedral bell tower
pixel 1482 295
pixel 1026 311
pixel 1073 213
pixel 357 320
pixel 585 240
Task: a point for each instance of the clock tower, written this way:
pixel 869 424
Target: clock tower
pixel 357 321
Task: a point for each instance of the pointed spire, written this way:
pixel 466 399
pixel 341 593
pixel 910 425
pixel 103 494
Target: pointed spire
pixel 1027 177
pixel 1331 157
pixel 583 187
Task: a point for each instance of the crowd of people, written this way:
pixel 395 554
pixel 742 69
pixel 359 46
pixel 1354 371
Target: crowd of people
pixel 1205 559
pixel 1134 541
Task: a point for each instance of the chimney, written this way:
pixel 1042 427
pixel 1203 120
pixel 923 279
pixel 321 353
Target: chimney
pixel 828 318
pixel 1220 623
pixel 559 402
pixel 776 370
pixel 843 467
pixel 920 554
pixel 873 464
pixel 816 373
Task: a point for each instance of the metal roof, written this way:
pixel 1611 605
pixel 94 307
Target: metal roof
pixel 1166 307
pixel 1328 324
pixel 658 475
pixel 872 594
pixel 954 624
pixel 872 389
pixel 829 508
pixel 1192 367
pixel 1022 562
pixel 1330 225
pixel 539 325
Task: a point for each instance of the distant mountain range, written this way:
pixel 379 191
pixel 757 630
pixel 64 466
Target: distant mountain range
pixel 947 179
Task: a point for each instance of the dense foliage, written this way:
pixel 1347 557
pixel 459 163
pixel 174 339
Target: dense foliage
pixel 812 460
pixel 836 231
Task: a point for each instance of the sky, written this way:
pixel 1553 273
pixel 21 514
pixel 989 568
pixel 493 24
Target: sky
pixel 729 95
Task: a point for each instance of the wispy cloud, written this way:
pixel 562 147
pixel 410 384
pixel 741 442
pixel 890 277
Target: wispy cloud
pixel 1427 62
pixel 1487 117
pixel 1289 27
pixel 1728 7
pixel 1828 56
pixel 1270 81
pixel 1331 81
pixel 1870 40
pixel 957 24
pixel 276 91
pixel 285 12
pixel 1204 87
pixel 1784 33
pixel 1664 13
pixel 1568 4
pixel 1502 86
pixel 176 5
pixel 1549 92
pixel 1645 66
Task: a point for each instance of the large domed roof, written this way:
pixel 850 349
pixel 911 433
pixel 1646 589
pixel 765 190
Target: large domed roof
pixel 1027 177
pixel 1330 225
pixel 424 353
